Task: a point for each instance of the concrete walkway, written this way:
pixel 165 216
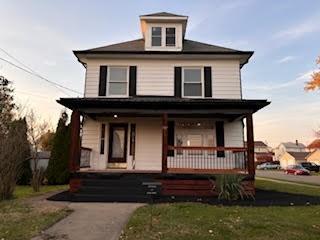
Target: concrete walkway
pixel 91 221
pixel 280 175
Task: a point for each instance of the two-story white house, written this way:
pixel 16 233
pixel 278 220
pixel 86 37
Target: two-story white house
pixel 162 104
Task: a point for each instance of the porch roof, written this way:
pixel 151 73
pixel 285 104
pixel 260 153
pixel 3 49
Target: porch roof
pixel 232 108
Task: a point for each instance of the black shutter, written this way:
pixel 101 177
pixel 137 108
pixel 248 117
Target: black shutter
pixel 171 137
pixel 177 82
pixel 102 138
pixel 207 82
pixel 103 81
pixel 133 81
pixel 132 139
pixel 220 137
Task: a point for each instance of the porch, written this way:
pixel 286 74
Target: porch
pixel 175 156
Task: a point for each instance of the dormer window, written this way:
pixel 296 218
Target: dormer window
pixel 156 36
pixel 170 36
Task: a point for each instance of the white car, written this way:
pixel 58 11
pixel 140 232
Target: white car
pixel 268 166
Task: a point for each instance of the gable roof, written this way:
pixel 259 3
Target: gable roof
pixel 313 152
pixel 293 145
pixel 137 46
pixel 314 144
pixel 257 144
pixel 162 14
pixel 299 155
pixel 260 144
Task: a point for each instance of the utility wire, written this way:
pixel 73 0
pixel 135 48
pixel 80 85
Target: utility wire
pixel 27 67
pixel 30 71
pixel 34 72
pixel 17 60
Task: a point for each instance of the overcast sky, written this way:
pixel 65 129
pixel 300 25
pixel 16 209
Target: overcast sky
pixel 284 35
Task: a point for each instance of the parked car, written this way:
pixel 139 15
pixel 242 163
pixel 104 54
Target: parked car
pixel 268 166
pixel 297 170
pixel 310 166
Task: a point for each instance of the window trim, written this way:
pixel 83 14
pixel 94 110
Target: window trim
pixel 202 81
pixel 108 81
pixel 161 37
pixel 175 37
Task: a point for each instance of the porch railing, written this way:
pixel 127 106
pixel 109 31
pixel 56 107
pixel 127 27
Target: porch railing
pixel 207 158
pixel 85 157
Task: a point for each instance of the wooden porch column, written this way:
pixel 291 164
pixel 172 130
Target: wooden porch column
pixel 250 145
pixel 74 154
pixel 164 142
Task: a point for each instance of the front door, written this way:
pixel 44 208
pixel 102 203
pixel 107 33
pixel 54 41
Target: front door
pixel 118 142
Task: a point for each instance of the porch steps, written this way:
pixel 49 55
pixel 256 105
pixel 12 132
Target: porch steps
pixel 113 188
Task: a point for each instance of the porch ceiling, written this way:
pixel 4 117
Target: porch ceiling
pixel 152 106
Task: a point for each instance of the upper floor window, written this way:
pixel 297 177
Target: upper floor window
pixel 156 36
pixel 170 36
pixel 118 81
pixel 192 80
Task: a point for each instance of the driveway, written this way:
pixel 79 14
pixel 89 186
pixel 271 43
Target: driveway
pixel 280 175
pixel 91 221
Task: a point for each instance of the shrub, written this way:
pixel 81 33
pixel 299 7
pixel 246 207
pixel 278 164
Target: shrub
pixel 57 171
pixel 230 187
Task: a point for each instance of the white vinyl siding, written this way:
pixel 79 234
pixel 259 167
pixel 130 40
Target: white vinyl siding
pixel 156 77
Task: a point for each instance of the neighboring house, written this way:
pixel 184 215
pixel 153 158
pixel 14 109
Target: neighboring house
pixel 162 105
pixel 289 147
pixel 292 158
pixel 314 145
pixel 314 156
pixel 43 160
pixel 262 152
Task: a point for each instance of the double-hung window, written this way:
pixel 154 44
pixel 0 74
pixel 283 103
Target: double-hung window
pixel 156 36
pixel 192 82
pixel 170 37
pixel 118 81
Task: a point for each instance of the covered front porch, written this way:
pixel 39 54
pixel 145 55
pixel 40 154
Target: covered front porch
pixel 165 135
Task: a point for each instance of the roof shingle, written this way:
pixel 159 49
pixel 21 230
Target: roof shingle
pixel 162 14
pixel 314 144
pixel 189 46
pixel 299 155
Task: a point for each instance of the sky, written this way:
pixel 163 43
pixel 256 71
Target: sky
pixel 284 35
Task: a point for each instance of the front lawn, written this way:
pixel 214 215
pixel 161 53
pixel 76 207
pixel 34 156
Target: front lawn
pixel 26 191
pixel 288 187
pixel 201 221
pixel 21 218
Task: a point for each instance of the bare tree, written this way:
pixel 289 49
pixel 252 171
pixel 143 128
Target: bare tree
pixel 36 128
pixel 13 147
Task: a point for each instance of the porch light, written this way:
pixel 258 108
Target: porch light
pixel 115 115
pixel 198 124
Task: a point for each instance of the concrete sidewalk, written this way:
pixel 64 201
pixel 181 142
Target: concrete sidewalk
pixel 280 175
pixel 91 221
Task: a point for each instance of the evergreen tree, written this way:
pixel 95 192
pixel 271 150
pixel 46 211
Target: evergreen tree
pixel 58 171
pixel 7 105
pixel 25 172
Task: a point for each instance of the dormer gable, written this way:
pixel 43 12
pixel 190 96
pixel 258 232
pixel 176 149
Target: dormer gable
pixel 163 31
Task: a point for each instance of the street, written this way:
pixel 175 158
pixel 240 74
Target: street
pixel 280 175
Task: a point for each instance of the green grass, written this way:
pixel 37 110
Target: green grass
pixel 21 220
pixel 201 221
pixel 26 191
pixel 280 186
